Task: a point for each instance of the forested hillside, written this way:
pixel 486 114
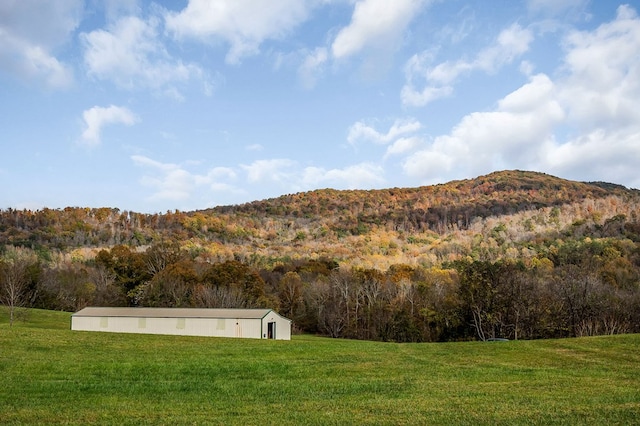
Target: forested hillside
pixel 512 254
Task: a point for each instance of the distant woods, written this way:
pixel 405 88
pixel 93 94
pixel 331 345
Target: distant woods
pixel 513 255
pixel 586 288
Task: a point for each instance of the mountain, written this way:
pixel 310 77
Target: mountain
pixel 351 225
pixel 433 207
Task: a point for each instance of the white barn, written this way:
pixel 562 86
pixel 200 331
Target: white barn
pixel 247 323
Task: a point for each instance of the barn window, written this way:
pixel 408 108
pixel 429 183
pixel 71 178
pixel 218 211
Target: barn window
pixel 104 322
pixel 142 323
pixel 180 324
pixel 221 324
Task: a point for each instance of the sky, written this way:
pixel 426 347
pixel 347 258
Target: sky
pixel 155 106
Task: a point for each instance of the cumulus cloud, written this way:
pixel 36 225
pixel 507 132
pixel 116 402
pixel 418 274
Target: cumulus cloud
pixel 404 146
pixel 361 132
pixel 376 26
pixel 401 138
pixel 375 23
pixel 614 154
pixel 174 182
pixel 30 31
pixel 244 24
pixel 437 81
pixel 484 141
pixel 601 92
pixel 130 53
pixel 585 123
pixel 274 170
pixel 97 117
pixel 291 177
pixel 602 67
pixel 359 176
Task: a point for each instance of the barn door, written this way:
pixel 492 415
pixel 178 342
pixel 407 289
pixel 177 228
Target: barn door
pixel 271 330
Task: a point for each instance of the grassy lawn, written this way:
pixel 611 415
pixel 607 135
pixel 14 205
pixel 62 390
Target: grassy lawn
pixel 51 375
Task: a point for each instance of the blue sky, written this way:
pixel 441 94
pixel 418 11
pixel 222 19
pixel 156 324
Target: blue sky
pixel 155 106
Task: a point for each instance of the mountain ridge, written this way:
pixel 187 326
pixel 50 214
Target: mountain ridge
pixel 457 201
pixel 528 180
pixel 325 217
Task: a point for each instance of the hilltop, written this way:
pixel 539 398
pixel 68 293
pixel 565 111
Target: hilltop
pixel 436 208
pixel 498 193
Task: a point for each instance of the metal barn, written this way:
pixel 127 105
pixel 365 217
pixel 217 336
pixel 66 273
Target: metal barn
pixel 246 323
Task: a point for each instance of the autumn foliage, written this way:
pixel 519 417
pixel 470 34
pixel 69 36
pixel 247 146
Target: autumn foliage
pixel 517 255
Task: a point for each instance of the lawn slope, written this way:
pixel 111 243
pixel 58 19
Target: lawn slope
pixel 52 375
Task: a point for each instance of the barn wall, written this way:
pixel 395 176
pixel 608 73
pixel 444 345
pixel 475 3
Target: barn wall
pixel 283 326
pixel 215 327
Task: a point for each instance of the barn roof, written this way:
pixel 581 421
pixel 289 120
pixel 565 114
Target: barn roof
pixel 173 313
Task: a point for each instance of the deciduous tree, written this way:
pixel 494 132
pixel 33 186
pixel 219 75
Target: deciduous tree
pixel 14 279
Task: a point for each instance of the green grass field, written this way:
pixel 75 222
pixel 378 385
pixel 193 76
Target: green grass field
pixel 51 375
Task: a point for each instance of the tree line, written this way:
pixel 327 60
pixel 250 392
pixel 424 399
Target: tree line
pixel 582 287
pixel 518 255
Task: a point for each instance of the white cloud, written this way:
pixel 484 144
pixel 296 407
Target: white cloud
pixel 214 177
pixel 401 137
pixel 404 146
pixel 585 125
pixel 411 97
pixel 175 185
pixel 30 30
pixel 431 166
pixel 514 134
pixel 359 176
pixel 598 148
pixel 438 80
pixel 173 182
pixel 376 27
pixel 512 42
pixel 312 67
pixel 611 156
pixel 290 177
pixel 275 170
pixel 363 132
pixel 375 23
pixel 33 63
pixel 603 73
pixel 130 54
pixel 141 160
pixel 601 92
pixel 244 24
pixel 97 117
